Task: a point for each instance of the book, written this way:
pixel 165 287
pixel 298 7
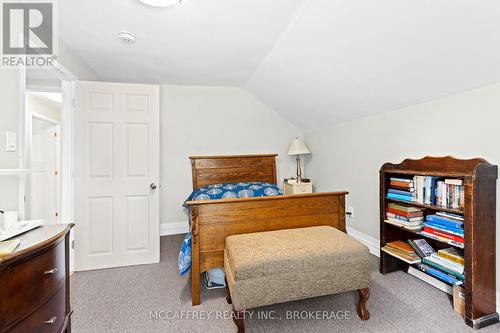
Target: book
pixel 444 240
pixel 398 179
pixel 416 220
pixel 410 259
pixel 401 224
pixel 404 208
pixel 452 254
pixel 446 263
pixel 400 184
pixel 448 278
pixel 408 194
pixel 445 235
pixel 8 246
pixel 457 182
pixel 453 231
pixel 399 197
pixel 445 221
pixel 451 216
pixel 442 268
pixel 421 247
pixel 406 214
pixel 401 246
pixel 432 280
pixel 403 188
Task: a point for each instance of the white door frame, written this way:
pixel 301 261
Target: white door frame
pixel 29 150
pixel 67 79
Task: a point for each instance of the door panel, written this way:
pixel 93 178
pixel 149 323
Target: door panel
pixel 116 160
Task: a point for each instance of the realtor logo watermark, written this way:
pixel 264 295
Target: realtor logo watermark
pixel 28 37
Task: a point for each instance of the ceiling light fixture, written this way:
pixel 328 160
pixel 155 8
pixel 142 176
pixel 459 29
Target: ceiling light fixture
pixel 160 3
pixel 126 37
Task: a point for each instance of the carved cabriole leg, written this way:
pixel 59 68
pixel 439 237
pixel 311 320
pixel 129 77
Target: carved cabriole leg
pixel 364 294
pixel 195 258
pixel 239 320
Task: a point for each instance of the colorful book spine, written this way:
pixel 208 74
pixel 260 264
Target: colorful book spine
pixel 399 197
pixel 451 256
pixel 442 268
pixel 445 221
pixel 409 194
pixel 453 231
pixel 441 239
pixel 440 275
pixel 420 220
pixel 444 235
pixel 446 263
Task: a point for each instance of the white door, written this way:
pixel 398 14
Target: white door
pixel 44 190
pixel 116 170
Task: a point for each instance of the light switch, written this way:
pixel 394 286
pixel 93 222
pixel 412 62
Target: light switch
pixel 11 140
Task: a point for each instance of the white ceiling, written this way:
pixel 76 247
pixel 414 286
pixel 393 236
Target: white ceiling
pixel 204 42
pixel 317 62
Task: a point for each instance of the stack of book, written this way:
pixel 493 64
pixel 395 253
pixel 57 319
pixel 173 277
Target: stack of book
pixel 450 193
pixel 446 265
pixel 403 251
pixel 445 227
pixel 442 192
pixel 401 189
pixel 405 216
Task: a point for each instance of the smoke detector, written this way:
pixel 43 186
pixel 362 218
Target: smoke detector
pixel 160 3
pixel 126 37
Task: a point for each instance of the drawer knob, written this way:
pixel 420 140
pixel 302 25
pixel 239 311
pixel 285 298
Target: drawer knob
pixel 51 271
pixel 51 320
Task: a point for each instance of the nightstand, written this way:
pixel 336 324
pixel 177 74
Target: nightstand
pixel 297 188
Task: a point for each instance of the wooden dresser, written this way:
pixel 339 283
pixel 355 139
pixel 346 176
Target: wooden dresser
pixel 34 282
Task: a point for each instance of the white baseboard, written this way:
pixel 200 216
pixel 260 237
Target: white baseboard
pixel 174 228
pixel 372 243
pixel 498 299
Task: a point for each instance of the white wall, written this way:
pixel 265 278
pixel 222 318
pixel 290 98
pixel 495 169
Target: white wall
pixel 213 121
pixel 349 156
pixel 36 104
pixel 10 105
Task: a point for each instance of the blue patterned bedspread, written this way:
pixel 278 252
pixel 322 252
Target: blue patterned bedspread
pixel 223 191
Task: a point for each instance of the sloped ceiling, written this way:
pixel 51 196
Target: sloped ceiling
pixel 317 62
pixel 198 42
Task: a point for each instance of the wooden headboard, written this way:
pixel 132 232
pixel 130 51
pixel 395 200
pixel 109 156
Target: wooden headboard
pixel 209 170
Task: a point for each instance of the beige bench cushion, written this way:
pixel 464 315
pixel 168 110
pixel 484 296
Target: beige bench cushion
pixel 293 250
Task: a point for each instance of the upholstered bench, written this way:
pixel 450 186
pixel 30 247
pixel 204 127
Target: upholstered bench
pixel 279 266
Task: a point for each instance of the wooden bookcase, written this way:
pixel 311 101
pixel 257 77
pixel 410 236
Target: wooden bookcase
pixel 479 180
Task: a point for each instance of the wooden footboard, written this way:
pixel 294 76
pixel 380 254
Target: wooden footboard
pixel 212 221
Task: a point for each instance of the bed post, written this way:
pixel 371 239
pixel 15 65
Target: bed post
pixel 195 255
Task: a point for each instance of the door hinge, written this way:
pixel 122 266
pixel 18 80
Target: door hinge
pixel 56 173
pixel 73 101
pixel 55 134
pixel 57 214
pixel 73 244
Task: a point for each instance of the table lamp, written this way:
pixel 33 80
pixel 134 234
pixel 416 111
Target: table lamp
pixel 297 148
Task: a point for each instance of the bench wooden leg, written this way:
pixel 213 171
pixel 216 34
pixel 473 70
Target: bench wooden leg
pixel 364 294
pixel 228 297
pixel 239 320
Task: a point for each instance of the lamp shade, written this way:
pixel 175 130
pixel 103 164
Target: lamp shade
pixel 298 147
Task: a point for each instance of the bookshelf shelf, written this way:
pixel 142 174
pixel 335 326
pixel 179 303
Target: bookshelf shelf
pixel 433 207
pixel 479 213
pixel 415 232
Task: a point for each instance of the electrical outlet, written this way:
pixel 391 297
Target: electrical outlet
pixel 350 211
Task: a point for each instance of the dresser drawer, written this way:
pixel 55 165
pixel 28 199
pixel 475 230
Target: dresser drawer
pixel 48 318
pixel 27 285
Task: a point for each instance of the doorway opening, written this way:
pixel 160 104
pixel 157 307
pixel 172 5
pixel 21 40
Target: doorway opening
pixel 43 188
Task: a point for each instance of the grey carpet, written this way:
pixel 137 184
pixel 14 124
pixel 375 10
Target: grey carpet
pixel 121 300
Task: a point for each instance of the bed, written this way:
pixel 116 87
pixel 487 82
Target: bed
pixel 211 221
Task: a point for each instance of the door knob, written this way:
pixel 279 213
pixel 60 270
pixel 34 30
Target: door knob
pixel 153 186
